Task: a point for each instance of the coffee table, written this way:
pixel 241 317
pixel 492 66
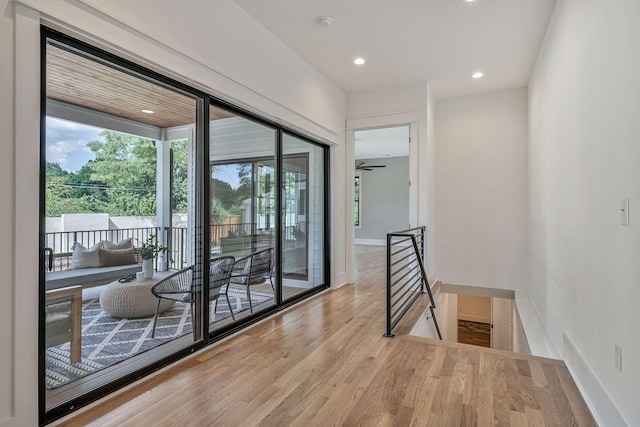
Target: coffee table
pixel 133 299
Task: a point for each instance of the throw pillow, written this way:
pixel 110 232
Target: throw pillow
pixel 109 258
pixel 123 244
pixel 85 258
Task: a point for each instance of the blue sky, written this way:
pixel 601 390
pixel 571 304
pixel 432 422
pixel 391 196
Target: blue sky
pixel 67 143
pixel 228 173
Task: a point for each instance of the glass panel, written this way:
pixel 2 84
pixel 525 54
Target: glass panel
pixel 303 221
pixel 108 209
pixel 243 217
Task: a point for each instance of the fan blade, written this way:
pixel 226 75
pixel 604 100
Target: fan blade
pixel 376 166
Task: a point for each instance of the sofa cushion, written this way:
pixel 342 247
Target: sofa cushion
pixel 110 258
pixel 85 258
pixel 123 244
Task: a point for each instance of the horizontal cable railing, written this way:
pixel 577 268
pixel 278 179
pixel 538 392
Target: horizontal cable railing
pixel 176 239
pixel 61 242
pixel 406 275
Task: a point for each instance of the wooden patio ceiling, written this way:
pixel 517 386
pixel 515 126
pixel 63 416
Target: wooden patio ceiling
pixel 76 80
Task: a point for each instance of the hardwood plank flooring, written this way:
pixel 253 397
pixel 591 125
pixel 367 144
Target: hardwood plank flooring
pixel 474 338
pixel 326 363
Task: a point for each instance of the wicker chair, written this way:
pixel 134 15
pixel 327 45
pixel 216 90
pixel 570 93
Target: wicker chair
pixel 254 269
pixel 179 285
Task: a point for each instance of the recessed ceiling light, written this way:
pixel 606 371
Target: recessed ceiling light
pixel 477 74
pixel 147 111
pixel 358 61
pixel 468 1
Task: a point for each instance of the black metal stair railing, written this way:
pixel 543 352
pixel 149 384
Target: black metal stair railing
pixel 406 275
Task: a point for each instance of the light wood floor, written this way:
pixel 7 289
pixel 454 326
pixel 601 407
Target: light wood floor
pixel 326 363
pixel 474 338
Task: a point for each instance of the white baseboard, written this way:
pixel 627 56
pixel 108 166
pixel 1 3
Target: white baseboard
pixel 602 407
pixel 375 242
pixel 340 280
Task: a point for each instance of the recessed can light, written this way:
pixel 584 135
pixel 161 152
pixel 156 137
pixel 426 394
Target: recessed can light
pixel 147 111
pixel 358 61
pixel 477 74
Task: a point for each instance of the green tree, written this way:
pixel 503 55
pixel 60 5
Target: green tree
pixel 127 165
pixel 82 185
pixel 54 169
pixel 60 199
pixel 180 174
pixel 222 192
pixel 243 192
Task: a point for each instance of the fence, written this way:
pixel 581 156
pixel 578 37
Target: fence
pixel 176 239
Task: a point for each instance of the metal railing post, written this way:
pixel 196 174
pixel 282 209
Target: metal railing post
pixel 388 333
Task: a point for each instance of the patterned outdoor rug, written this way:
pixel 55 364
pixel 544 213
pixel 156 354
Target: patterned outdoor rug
pixel 107 340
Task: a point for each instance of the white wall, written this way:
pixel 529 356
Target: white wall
pixel 474 308
pixel 448 316
pixel 384 198
pixel 501 319
pixel 216 47
pixel 481 189
pixel 7 190
pixel 584 157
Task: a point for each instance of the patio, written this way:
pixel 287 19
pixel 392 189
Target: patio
pixel 108 340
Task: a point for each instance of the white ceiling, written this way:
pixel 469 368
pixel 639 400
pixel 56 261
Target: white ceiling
pixel 377 143
pixel 410 41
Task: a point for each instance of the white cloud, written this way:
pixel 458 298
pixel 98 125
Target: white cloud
pixel 67 143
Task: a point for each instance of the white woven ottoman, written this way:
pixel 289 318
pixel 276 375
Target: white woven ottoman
pixel 133 299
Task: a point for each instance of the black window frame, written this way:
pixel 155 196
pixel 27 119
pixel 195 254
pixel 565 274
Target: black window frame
pixel 202 188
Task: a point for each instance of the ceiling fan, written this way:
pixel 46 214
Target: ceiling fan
pixel 362 166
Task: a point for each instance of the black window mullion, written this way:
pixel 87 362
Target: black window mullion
pixel 280 216
pixel 200 309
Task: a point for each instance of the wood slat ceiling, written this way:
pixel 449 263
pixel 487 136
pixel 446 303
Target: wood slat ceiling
pixel 79 81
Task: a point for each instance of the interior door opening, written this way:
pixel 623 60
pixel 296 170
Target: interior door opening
pixel 381 174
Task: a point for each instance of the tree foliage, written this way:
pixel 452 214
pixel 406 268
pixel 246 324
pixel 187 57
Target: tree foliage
pixel 120 181
pixel 180 175
pixel 127 165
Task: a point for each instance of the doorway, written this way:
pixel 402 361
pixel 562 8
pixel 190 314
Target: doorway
pixel 474 320
pixel 381 186
pixel 476 316
pixel 381 183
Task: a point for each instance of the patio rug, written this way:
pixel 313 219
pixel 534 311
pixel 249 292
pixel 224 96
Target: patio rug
pixel 107 340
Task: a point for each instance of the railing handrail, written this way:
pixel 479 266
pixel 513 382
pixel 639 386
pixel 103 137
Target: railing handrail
pixel 418 252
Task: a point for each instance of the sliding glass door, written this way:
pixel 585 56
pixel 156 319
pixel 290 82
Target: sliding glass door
pixel 120 220
pixel 243 217
pixel 303 221
pixel 168 219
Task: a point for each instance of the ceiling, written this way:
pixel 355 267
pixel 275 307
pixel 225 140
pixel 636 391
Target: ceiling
pixel 410 41
pixel 386 142
pixel 79 81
